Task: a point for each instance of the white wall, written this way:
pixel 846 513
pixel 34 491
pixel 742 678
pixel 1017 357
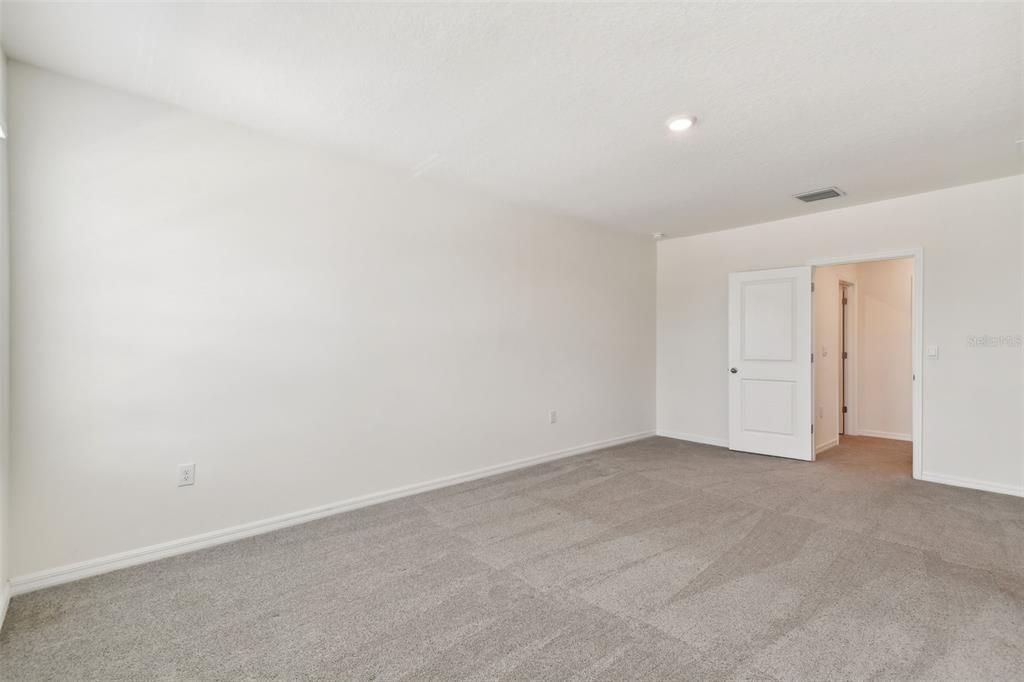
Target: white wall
pixel 879 389
pixel 303 328
pixel 971 236
pixel 826 350
pixel 884 348
pixel 4 355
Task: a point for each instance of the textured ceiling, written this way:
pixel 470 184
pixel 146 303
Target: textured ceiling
pixel 562 106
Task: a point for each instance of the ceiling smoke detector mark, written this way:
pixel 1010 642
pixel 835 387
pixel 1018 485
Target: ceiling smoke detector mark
pixel 819 194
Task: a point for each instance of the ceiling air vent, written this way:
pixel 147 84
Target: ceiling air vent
pixel 819 194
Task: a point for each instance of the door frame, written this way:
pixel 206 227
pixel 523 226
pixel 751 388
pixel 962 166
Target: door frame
pixel 917 333
pixel 851 380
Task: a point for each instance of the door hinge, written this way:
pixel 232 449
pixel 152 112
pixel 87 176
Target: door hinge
pixel 812 357
pixel 844 300
pixel 812 428
pixel 812 287
pixel 844 409
pixel 845 355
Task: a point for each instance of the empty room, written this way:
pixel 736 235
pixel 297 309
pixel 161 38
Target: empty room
pixel 511 341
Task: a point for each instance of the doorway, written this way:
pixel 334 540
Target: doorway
pixel 796 373
pixel 867 374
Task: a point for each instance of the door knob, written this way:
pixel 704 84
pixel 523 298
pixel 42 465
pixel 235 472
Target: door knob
pixel 733 370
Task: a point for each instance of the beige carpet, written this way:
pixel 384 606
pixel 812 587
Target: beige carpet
pixel 657 560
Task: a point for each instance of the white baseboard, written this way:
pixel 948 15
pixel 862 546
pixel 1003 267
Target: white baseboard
pixel 5 600
pixel 974 483
pixel 884 434
pixel 826 445
pixel 84 569
pixel 695 438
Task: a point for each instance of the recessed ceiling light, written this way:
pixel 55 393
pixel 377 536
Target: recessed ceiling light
pixel 678 124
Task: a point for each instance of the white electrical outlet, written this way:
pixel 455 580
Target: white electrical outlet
pixel 186 474
pixel 553 417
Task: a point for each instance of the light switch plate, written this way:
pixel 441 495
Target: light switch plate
pixel 932 351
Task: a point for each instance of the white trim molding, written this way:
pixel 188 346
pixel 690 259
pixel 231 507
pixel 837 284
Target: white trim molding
pixel 5 600
pixel 974 483
pixel 828 445
pixel 695 438
pixel 885 434
pixel 134 557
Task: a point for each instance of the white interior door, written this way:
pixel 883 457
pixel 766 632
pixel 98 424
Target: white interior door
pixel 770 380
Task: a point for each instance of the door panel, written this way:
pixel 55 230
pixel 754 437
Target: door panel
pixel 767 320
pixel 768 406
pixel 771 389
